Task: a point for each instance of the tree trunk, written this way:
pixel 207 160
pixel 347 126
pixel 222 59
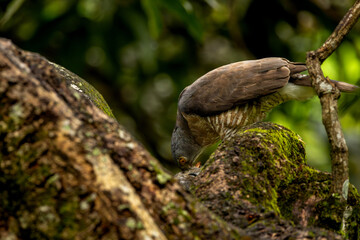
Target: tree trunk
pixel 70 171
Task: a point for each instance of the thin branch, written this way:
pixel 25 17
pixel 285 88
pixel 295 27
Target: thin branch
pixel 328 95
pixel 342 29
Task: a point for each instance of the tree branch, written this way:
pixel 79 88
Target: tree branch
pixel 328 95
pixel 342 29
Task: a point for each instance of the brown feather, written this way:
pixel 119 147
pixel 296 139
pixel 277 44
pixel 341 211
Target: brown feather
pixel 237 83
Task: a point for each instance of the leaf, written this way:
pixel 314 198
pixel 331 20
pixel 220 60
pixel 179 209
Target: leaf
pixel 11 9
pixel 55 8
pixel 151 8
pixel 193 24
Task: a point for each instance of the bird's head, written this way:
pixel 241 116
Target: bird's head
pixel 184 148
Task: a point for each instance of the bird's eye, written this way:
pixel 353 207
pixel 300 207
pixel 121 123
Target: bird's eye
pixel 182 160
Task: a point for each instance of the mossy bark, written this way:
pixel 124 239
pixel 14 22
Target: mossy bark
pixel 69 171
pixel 260 180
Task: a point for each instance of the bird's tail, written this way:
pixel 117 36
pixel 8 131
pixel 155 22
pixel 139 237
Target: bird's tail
pixel 305 80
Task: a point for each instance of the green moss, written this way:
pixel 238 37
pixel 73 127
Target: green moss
pixel 288 144
pixel 185 214
pixel 30 184
pixel 330 212
pixel 131 223
pixel 265 164
pixel 165 209
pixel 82 87
pixel 16 113
pixel 265 175
pixel 161 176
pixel 353 226
pixel 96 152
pixel 121 207
pixel 51 180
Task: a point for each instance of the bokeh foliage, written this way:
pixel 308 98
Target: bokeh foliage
pixel 140 54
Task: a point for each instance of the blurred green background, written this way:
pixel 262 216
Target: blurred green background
pixel 140 54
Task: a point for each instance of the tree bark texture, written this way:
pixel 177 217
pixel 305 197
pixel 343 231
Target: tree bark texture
pixel 260 181
pixel 69 171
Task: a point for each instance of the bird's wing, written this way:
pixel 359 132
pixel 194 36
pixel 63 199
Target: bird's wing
pixel 234 84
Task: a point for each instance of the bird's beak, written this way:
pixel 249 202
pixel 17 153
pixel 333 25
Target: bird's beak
pixel 197 159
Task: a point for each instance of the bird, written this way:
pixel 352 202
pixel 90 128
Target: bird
pixel 230 97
